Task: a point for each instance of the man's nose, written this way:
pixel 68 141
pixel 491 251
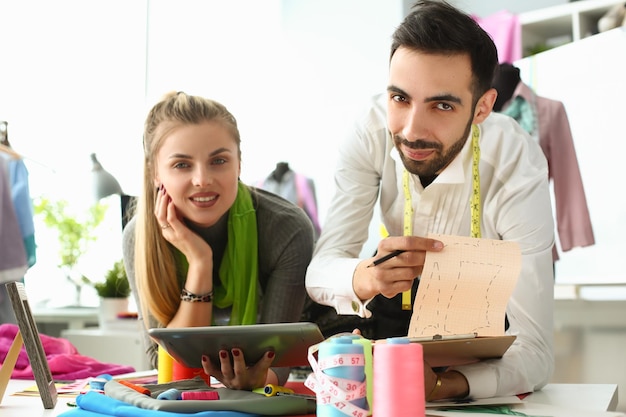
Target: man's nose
pixel 414 126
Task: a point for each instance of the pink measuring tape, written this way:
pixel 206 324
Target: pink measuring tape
pixel 338 378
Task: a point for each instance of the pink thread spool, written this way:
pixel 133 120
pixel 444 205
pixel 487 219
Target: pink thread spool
pixel 199 395
pixel 398 379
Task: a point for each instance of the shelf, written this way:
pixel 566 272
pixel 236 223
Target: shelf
pixel 558 25
pixel 117 346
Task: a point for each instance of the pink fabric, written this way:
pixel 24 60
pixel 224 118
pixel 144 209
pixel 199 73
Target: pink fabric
pixel 555 138
pixel 308 203
pixel 506 32
pixel 64 360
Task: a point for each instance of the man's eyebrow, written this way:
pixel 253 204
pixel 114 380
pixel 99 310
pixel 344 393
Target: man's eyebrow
pixel 442 97
pixel 397 90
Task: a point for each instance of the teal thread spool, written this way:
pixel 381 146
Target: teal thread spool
pixel 337 346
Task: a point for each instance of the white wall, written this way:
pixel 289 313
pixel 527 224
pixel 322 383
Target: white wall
pixel 587 76
pixel 72 83
pixel 290 71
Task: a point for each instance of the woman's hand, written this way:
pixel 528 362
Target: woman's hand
pixel 199 257
pixel 236 374
pixel 176 232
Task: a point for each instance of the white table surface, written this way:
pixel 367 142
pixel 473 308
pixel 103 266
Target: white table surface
pixel 597 398
pixel 593 397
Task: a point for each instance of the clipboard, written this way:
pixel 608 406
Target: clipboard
pixel 465 288
pixel 451 352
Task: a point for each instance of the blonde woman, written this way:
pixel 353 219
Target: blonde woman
pixel 205 249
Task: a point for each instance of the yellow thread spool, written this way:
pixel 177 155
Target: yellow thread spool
pixel 165 367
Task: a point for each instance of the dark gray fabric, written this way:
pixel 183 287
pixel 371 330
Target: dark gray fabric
pixel 286 240
pixel 229 400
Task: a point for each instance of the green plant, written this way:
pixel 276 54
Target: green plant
pixel 115 284
pixel 73 235
pixel 537 49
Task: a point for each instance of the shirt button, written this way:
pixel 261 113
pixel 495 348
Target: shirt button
pixel 355 306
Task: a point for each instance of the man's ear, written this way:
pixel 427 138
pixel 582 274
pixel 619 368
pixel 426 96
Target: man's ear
pixel 484 106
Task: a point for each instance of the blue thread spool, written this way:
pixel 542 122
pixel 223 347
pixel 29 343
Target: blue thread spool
pixel 337 346
pixel 170 394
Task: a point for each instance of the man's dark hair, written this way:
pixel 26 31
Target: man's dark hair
pixel 436 27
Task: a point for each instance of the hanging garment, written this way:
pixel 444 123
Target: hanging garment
pixel 506 31
pixel 23 204
pixel 546 120
pixel 13 263
pixel 522 111
pixel 296 188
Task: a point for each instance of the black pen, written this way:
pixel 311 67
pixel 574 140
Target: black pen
pixel 387 257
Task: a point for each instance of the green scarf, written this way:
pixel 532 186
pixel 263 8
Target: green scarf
pixel 239 269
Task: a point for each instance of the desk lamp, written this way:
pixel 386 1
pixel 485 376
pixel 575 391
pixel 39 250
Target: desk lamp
pixel 104 184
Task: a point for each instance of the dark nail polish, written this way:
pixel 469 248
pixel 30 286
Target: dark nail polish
pixel 236 352
pixel 270 355
pixel 224 355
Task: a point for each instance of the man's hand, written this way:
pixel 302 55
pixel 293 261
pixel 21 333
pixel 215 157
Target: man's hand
pixel 396 274
pixel 445 385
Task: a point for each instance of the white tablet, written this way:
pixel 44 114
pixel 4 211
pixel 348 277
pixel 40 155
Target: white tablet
pixel 289 341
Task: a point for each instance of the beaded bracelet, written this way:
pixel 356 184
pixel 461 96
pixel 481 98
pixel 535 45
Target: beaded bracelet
pixel 435 389
pixel 195 298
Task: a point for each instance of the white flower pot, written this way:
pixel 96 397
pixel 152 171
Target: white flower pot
pixel 109 309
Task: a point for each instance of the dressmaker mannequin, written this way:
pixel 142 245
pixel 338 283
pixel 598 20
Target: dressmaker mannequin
pixel 507 79
pixel 294 187
pixel 281 169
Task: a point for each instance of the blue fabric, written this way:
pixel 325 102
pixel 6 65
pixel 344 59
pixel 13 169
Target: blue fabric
pixel 522 112
pixel 20 195
pixel 93 404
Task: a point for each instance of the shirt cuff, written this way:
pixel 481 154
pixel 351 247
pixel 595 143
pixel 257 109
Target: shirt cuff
pixel 339 293
pixel 353 305
pixel 481 380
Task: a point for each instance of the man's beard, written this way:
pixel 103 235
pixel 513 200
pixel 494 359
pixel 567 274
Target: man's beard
pixel 434 166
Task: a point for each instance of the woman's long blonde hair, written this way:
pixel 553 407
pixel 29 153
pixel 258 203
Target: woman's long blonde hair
pixel 158 282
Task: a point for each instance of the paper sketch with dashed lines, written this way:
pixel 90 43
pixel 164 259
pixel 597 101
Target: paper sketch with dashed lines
pixel 465 288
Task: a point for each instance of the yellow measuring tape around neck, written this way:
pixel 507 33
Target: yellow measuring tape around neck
pixel 475 199
pixel 474 203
